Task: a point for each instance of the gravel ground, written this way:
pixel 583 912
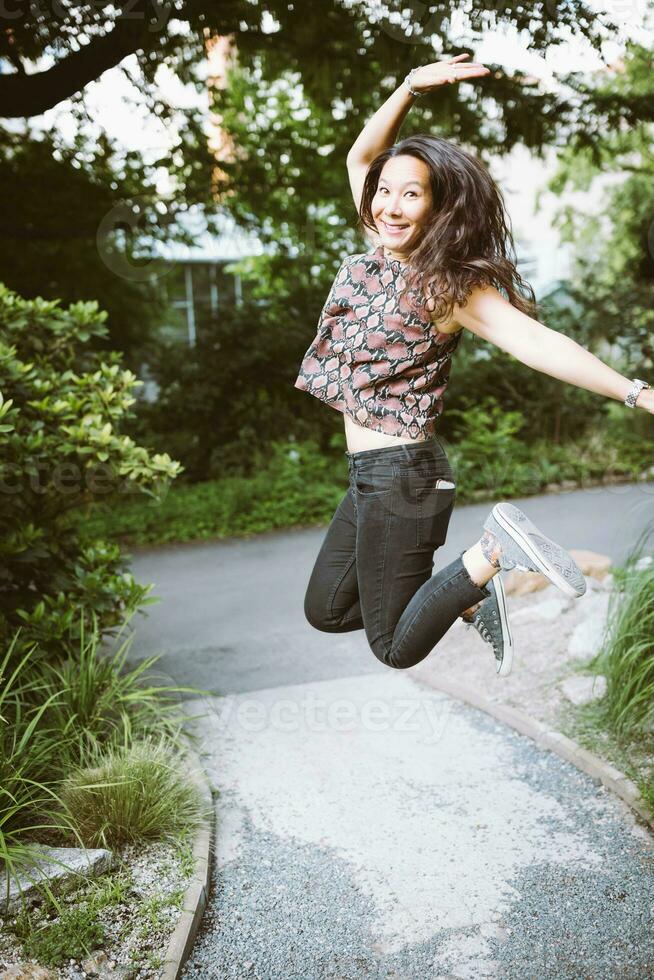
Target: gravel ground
pixel 139 926
pixel 285 909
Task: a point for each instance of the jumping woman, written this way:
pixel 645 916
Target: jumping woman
pixel 441 252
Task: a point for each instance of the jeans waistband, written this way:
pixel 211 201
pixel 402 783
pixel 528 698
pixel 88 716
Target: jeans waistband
pixel 413 452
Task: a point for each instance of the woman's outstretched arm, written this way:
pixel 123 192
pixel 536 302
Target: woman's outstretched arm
pixel 489 315
pixel 381 130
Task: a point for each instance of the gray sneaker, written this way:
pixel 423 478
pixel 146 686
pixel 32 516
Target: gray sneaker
pixel 491 620
pixel 524 546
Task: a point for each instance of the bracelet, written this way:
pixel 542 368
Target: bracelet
pixel 634 392
pixel 408 80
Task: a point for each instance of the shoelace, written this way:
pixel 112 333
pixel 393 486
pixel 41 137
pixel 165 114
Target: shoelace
pixel 478 623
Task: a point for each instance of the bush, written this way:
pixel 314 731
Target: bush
pixel 487 452
pixel 61 410
pixel 293 485
pixel 131 794
pixel 56 720
pixel 232 392
pixel 626 657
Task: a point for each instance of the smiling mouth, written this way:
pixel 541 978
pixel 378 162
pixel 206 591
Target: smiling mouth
pixel 393 228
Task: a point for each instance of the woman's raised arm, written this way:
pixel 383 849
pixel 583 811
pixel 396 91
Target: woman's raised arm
pixel 381 130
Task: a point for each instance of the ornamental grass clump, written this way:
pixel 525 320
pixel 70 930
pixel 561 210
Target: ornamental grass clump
pixel 133 794
pixel 627 654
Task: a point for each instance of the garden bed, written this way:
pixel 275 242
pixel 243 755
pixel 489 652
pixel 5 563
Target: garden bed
pixel 125 918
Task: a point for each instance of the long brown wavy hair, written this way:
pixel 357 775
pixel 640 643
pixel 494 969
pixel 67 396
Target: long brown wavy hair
pixel 467 239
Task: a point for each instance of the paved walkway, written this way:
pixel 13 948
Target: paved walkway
pixel 231 618
pixel 372 827
pixel 368 826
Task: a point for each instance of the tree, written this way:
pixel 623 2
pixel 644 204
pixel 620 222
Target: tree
pixel 337 63
pixel 613 277
pixel 87 39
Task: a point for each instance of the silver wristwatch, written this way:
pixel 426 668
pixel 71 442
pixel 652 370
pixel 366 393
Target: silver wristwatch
pixel 634 392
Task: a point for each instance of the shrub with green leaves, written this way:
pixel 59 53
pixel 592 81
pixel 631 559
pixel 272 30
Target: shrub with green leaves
pixel 62 404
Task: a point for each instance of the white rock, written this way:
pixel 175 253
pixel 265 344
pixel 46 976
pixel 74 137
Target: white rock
pixel 61 867
pixel 600 584
pixel 582 688
pixel 546 609
pixel 587 635
pixel 27 971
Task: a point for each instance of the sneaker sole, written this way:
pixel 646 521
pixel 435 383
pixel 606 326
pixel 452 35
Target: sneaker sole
pixel 507 659
pixel 548 556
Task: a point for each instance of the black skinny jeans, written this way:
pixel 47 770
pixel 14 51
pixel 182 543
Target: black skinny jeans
pixel 374 568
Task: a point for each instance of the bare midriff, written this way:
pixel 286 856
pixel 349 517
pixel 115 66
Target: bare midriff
pixel 359 438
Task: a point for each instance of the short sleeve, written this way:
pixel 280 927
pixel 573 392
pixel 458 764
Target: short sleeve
pixel 331 300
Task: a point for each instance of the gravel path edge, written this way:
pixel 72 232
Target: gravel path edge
pixel 555 741
pixel 197 892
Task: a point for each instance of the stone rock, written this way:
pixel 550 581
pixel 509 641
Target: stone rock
pixel 599 584
pixel 99 965
pixel 582 688
pixel 62 867
pixel 516 582
pixel 591 563
pixel 586 638
pixel 27 971
pixel 549 608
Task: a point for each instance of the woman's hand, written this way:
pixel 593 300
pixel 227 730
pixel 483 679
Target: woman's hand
pixel 427 77
pixel 646 400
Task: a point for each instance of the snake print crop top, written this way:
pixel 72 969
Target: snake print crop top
pixel 377 356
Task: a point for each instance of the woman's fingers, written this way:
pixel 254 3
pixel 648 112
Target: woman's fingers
pixel 447 72
pixel 454 63
pixel 472 70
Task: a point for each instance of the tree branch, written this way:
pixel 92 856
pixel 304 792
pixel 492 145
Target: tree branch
pixel 30 95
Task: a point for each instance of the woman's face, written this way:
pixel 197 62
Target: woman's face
pixel 402 203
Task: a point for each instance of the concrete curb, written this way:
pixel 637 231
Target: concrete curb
pixel 550 739
pixel 197 892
